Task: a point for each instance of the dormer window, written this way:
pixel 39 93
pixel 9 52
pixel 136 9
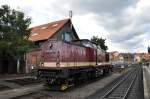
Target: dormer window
pixel 54 25
pixel 34 34
pixel 44 27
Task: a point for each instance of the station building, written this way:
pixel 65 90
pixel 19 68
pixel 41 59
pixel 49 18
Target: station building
pixel 58 30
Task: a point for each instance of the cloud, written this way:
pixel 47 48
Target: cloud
pixel 100 6
pixel 124 23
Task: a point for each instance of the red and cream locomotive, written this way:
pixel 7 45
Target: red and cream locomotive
pixel 64 63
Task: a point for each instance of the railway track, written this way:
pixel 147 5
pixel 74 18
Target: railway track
pixel 122 88
pixel 75 93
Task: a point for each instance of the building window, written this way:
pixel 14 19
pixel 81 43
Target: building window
pixel 67 36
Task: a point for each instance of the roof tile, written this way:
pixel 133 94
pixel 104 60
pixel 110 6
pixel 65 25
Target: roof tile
pixel 45 31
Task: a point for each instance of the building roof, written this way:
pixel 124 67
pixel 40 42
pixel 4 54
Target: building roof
pixel 45 31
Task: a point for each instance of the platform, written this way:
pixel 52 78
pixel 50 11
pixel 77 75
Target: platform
pixel 146 81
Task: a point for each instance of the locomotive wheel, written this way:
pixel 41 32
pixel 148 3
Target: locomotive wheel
pixel 63 87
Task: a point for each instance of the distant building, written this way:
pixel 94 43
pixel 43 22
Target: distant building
pixel 142 56
pixel 147 57
pixel 116 57
pixel 128 57
pixel 138 57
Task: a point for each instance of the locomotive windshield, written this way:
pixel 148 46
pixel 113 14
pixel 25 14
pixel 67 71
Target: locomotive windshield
pixel 87 43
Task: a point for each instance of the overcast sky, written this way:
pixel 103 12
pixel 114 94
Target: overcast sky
pixel 124 23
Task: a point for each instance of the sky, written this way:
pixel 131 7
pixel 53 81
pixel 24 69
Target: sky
pixel 125 24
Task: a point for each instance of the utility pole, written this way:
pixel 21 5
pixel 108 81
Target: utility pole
pixel 70 17
pixel 70 14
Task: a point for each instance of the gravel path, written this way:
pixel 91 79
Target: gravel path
pixel 19 91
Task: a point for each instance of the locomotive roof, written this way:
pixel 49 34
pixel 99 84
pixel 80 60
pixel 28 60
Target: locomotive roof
pixel 86 40
pixel 45 31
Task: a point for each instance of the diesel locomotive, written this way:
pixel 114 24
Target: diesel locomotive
pixel 62 64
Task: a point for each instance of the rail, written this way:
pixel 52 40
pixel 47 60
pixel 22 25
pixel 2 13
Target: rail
pixel 122 88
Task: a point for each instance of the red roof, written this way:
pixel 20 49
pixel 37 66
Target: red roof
pixel 45 31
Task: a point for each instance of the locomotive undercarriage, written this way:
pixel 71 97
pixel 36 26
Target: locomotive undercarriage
pixel 64 78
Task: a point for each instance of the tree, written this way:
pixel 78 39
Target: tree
pixel 99 42
pixel 13 33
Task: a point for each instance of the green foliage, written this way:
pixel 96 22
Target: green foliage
pixel 13 33
pixel 142 60
pixel 99 42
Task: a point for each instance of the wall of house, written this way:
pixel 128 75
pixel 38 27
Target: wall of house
pixel 66 29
